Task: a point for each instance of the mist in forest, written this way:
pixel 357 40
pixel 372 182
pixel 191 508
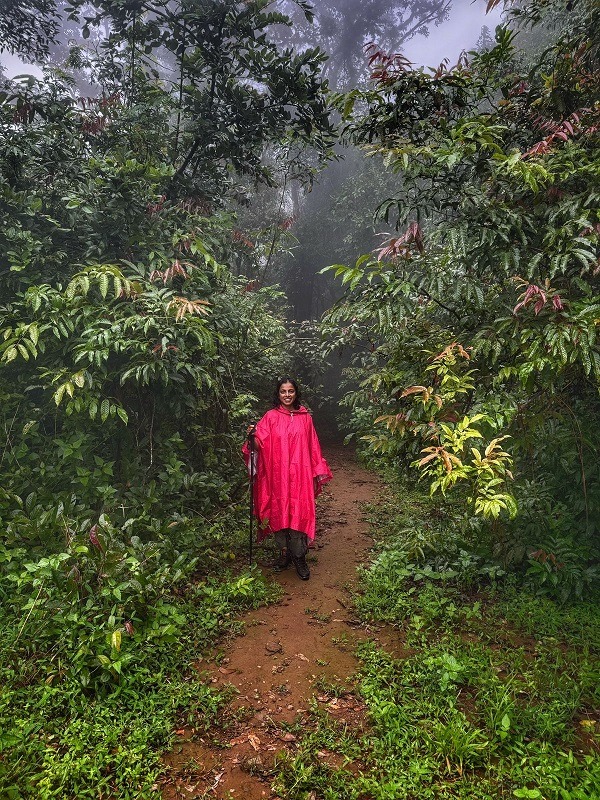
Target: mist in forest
pixel 436 29
pixel 332 217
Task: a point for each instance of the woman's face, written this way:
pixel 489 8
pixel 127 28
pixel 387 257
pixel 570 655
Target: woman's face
pixel 287 395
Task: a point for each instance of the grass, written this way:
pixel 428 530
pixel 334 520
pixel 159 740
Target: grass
pixel 498 697
pixel 59 740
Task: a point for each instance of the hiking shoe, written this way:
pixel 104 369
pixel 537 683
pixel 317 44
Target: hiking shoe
pixel 302 567
pixel 283 561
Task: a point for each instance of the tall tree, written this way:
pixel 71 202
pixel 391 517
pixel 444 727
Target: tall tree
pixel 234 89
pixel 342 28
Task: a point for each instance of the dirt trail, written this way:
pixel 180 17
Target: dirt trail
pixel 286 656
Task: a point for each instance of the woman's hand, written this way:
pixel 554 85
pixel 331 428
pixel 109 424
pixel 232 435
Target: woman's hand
pixel 251 435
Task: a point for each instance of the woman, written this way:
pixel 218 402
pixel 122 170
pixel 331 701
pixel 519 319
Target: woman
pixel 290 473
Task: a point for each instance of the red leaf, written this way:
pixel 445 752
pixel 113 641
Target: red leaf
pixel 94 537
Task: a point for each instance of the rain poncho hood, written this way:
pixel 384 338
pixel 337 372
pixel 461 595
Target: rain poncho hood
pixel 290 471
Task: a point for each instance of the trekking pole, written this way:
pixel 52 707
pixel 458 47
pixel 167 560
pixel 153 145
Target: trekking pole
pixel 252 451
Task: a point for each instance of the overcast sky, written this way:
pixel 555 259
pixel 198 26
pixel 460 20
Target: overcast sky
pixel 15 66
pixel 459 32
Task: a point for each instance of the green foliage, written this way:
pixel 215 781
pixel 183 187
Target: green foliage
pixel 132 352
pixel 489 691
pixel 233 89
pixel 82 605
pixel 28 26
pixel 127 345
pixel 474 331
pixel 58 740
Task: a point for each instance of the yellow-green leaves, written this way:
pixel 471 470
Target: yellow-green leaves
pixel 182 306
pixel 116 639
pixel 452 460
pixel 20 341
pixel 449 457
pixel 103 277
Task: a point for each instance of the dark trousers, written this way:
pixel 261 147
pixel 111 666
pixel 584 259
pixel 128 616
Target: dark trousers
pixel 295 542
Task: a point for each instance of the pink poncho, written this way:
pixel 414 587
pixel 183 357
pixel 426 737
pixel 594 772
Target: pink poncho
pixel 290 471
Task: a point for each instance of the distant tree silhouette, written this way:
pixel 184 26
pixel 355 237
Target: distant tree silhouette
pixel 342 28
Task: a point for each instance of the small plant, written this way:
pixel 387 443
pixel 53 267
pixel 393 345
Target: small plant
pixel 319 616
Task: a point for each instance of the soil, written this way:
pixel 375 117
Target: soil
pixel 289 656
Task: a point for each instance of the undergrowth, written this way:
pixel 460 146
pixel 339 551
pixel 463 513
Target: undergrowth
pixel 97 673
pixel 496 695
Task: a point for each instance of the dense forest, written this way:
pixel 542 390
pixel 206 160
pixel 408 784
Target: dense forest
pixel 167 188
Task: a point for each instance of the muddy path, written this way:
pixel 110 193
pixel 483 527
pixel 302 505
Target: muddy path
pixel 286 657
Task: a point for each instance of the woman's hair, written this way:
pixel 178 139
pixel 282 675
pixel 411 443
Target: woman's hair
pixel 280 382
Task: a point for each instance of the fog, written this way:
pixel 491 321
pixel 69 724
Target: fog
pixel 444 28
pixel 458 32
pixel 14 66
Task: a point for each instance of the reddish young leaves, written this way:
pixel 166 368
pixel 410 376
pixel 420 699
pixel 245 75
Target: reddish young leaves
pixel 538 296
pixel 240 236
pixel 183 307
pixel 562 131
pixel 402 245
pixel 385 67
